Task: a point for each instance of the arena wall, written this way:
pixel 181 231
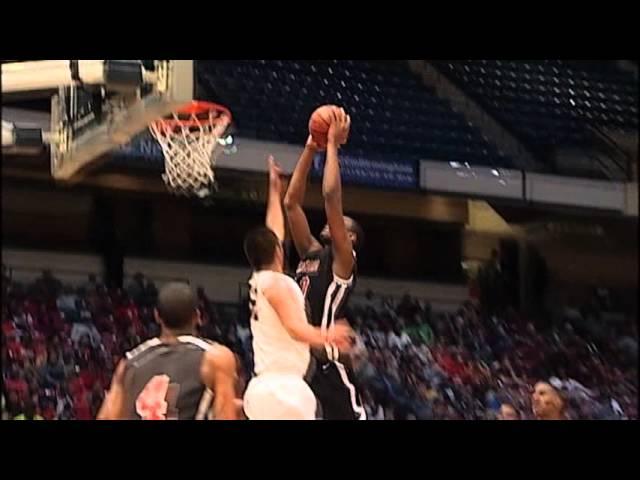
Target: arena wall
pixel 222 284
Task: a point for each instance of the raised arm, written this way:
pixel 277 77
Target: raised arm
pixel 275 215
pixel 303 240
pixel 332 193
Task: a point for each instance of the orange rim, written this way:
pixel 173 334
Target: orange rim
pixel 192 109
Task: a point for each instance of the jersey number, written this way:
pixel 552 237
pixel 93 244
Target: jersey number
pixel 253 293
pixel 152 403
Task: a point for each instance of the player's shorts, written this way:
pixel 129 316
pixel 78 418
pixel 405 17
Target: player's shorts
pixel 334 385
pixel 279 396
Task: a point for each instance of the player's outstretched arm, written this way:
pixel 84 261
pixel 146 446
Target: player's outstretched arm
pixel 219 372
pixel 113 405
pixel 275 215
pixel 332 193
pixel 294 320
pixel 303 240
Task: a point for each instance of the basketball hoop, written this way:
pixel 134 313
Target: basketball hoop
pixel 188 139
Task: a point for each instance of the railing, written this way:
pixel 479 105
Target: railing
pixel 64 273
pixel 79 275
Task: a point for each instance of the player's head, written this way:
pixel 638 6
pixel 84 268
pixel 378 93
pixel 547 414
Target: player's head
pixel 177 307
pixel 547 402
pixel 508 412
pixel 354 230
pixel 263 249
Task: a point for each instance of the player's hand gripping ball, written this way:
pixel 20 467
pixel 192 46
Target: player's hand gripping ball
pixel 320 124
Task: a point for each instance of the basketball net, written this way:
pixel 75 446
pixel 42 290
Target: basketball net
pixel 188 139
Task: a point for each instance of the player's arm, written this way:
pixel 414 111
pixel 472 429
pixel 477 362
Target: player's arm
pixel 219 373
pixel 275 215
pixel 332 193
pixel 303 240
pixel 294 320
pixel 113 405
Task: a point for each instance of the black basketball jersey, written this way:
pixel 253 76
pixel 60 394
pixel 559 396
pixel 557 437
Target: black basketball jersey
pixel 325 293
pixel 162 381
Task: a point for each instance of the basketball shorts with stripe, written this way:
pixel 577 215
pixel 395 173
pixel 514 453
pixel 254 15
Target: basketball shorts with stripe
pixel 334 386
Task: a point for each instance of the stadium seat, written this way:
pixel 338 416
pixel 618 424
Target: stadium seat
pixel 566 96
pixel 393 111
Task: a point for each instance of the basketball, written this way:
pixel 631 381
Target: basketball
pixel 319 124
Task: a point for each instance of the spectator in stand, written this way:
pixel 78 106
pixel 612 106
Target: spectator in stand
pixel 16 383
pixel 480 358
pixel 28 412
pixel 13 405
pixel 136 287
pixel 142 290
pixel 67 301
pixel 84 328
pixel 53 372
pixel 508 412
pixel 397 339
pixel 547 402
pixel 93 285
pixel 419 330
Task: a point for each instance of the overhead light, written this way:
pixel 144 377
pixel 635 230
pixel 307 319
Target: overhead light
pixel 495 172
pixel 572 102
pixel 454 165
pixel 228 140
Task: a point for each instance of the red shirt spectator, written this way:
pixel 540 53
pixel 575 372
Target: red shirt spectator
pixel 451 365
pixel 88 377
pixel 56 319
pixel 7 327
pixel 76 386
pixel 81 407
pixel 31 308
pixel 48 412
pixel 15 349
pixel 17 385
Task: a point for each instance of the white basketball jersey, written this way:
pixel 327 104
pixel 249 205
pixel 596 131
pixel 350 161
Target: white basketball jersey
pixel 274 351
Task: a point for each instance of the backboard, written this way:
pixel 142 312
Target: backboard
pixel 96 105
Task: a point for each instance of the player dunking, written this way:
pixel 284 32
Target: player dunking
pixel 281 332
pixel 327 272
pixel 176 376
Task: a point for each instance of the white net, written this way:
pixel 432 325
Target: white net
pixel 188 142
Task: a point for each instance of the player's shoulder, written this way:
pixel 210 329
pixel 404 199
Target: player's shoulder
pixel 143 348
pixel 271 280
pixel 199 342
pixel 218 358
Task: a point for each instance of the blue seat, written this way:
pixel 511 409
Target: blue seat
pixel 394 113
